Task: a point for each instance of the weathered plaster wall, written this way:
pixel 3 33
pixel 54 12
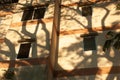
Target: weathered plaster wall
pixel 40 31
pixel 71 50
pixel 103 15
pixel 9 48
pixel 71 53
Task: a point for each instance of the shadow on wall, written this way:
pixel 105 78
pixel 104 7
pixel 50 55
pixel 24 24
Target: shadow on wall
pixel 31 72
pixel 38 71
pixel 28 72
pixel 93 59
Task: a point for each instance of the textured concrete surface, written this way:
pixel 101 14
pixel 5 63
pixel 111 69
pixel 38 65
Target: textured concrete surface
pixel 71 53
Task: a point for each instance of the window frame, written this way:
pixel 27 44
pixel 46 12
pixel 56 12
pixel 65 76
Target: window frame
pixel 34 14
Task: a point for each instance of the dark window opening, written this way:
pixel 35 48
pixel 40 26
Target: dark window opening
pixel 27 15
pixel 8 1
pixel 86 11
pixel 118 6
pixel 39 13
pixel 89 43
pixel 24 50
pixel 33 13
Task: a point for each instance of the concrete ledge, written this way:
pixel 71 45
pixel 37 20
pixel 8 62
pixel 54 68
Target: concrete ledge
pixel 88 71
pixel 22 62
pixel 31 22
pixel 86 31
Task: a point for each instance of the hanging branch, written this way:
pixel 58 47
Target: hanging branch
pixel 113 40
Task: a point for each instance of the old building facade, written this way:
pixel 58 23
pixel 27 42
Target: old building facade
pixel 58 40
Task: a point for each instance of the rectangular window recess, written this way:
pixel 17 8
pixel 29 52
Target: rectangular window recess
pixel 118 6
pixel 39 13
pixel 33 13
pixel 8 1
pixel 24 50
pixel 89 43
pixel 87 11
pixel 27 15
pixel 89 34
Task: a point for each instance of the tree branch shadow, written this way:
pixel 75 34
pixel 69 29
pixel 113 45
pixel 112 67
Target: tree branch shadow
pixel 76 46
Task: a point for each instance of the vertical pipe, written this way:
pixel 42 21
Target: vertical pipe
pixel 53 56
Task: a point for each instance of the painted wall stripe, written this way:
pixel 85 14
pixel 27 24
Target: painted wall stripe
pixel 31 22
pixel 85 31
pixel 88 71
pixel 22 62
pixel 4 13
pixel 1 40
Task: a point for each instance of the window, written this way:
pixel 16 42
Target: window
pixel 39 13
pixel 33 13
pixel 27 14
pixel 8 1
pixel 89 43
pixel 118 6
pixel 86 11
pixel 24 50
